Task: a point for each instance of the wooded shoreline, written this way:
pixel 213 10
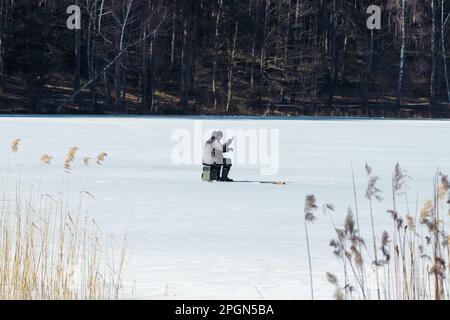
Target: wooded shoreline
pixel 252 57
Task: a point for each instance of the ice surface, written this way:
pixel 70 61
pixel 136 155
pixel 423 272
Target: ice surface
pixel 189 239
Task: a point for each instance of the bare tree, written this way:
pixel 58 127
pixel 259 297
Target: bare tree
pixel 444 55
pixel 3 13
pixel 77 52
pixel 402 52
pixel 217 46
pixel 231 61
pixel 433 55
pixel 251 53
pixel 333 52
pixel 120 33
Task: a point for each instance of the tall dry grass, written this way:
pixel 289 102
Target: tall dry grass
pixel 408 261
pixel 50 251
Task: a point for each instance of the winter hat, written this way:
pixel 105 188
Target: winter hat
pixel 218 135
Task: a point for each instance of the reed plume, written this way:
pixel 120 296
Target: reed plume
pixel 426 212
pixel 399 178
pixel 15 145
pixel 385 240
pixel 444 189
pixel 101 157
pixel 347 248
pixel 70 157
pixel 334 281
pixel 46 159
pixel 417 248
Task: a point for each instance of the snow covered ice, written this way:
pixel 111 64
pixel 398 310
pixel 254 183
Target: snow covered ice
pixel 191 239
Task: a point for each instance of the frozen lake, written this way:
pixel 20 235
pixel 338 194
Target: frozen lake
pixel 190 239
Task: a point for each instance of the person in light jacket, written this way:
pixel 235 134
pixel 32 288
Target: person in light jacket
pixel 213 155
pixel 218 150
pixel 208 158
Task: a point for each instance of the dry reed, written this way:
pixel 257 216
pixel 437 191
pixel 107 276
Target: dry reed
pixel 49 251
pixel 45 158
pixel 15 145
pixel 70 157
pixel 101 158
pixel 411 261
pixel 309 209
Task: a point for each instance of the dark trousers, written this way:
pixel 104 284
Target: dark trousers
pixel 226 167
pixel 218 171
pixel 226 163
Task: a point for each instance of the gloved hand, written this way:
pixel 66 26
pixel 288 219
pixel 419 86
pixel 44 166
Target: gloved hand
pixel 230 141
pixel 230 149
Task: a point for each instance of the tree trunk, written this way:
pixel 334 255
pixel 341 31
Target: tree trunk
pixel 2 82
pixel 230 68
pixel 150 73
pixel 77 80
pixel 216 46
pixel 92 55
pixel 262 59
pixel 108 90
pixel 444 55
pixel 287 34
pixel 333 49
pixel 369 57
pixel 2 27
pixel 118 82
pixel 185 68
pixel 174 28
pixel 433 56
pixel 402 53
pixel 120 75
pixel 144 83
pixel 2 77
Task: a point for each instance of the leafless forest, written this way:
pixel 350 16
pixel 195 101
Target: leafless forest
pixel 248 57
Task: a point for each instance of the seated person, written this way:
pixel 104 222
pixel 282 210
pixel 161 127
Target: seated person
pixel 213 155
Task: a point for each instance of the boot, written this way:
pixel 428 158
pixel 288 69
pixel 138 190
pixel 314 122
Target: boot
pixel 215 173
pixel 225 172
